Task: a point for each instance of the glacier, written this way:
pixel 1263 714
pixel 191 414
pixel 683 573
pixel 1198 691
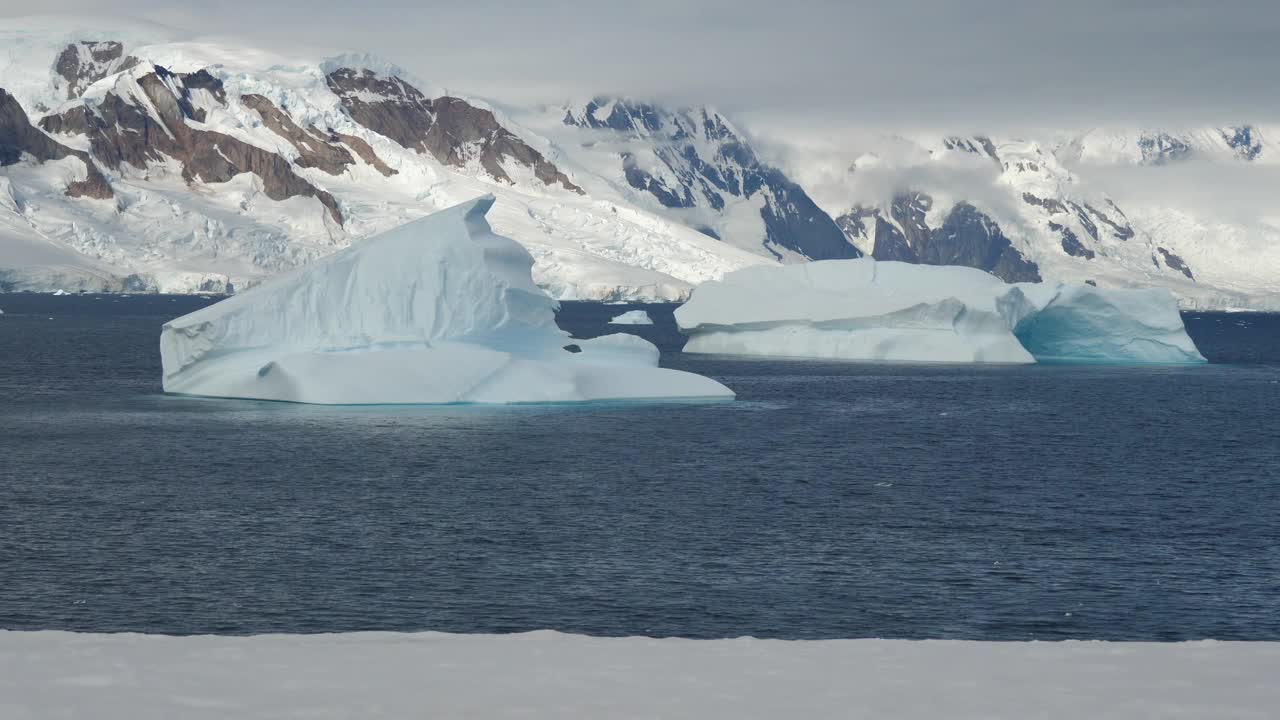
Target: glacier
pixel 873 310
pixel 632 317
pixel 438 310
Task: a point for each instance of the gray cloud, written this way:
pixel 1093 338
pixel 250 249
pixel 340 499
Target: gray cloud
pixel 810 65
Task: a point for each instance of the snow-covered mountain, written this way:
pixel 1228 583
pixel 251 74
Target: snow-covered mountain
pixel 1024 210
pixel 1248 143
pixel 133 160
pixel 193 167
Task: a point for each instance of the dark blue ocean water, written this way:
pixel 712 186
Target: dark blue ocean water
pixel 830 500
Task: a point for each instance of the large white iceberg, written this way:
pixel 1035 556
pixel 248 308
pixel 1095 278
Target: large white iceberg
pixel 440 310
pixel 891 311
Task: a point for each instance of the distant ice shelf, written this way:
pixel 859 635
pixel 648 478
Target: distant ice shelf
pixel 890 311
pixel 439 310
pixel 632 317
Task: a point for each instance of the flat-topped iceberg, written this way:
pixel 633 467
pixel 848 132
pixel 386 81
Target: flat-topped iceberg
pixel 890 311
pixel 439 310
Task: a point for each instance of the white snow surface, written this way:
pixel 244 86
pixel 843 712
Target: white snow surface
pixel 439 310
pixel 377 675
pixel 161 233
pixel 898 312
pixel 1229 237
pixel 632 317
pixel 614 243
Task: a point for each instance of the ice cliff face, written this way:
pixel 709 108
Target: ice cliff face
pixel 892 311
pixel 439 310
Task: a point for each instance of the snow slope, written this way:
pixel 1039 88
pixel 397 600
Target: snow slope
pixel 214 166
pixel 552 675
pixel 258 163
pixel 1028 209
pixel 632 317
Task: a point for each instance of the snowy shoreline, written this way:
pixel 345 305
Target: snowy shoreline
pixel 550 674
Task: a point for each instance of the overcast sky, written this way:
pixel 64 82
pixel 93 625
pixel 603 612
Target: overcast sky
pixel 971 65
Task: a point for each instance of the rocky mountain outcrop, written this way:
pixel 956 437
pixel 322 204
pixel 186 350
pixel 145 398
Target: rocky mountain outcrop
pixel 1161 148
pixel 125 130
pixel 966 237
pixel 1244 141
pixel 83 63
pixel 1232 143
pixel 450 129
pixel 1087 216
pixel 329 151
pixel 1173 261
pixel 693 158
pixel 18 137
pixel 1032 219
pixel 223 170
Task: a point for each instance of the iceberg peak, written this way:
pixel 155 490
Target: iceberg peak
pixel 438 310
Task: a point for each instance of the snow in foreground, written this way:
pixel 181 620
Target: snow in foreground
pixel 632 317
pixel 439 310
pixel 869 310
pixel 552 675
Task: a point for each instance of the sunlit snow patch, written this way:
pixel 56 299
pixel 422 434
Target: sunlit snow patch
pixel 891 311
pixel 439 310
pixel 632 317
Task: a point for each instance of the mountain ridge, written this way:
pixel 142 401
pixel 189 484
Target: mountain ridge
pixel 193 167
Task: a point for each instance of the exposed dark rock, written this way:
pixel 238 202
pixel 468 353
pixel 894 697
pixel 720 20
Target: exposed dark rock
pixel 450 129
pixel 366 153
pixel 1176 263
pixel 313 151
pixel 688 178
pixel 966 237
pixel 1162 148
pixel 891 244
pixel 1070 242
pixel 1091 282
pixel 186 84
pixel 624 116
pixel 971 238
pixel 1053 206
pixel 854 224
pixel 978 146
pixel 989 147
pixel 641 180
pixel 82 64
pixel 1122 229
pixel 95 185
pixel 18 136
pixel 120 132
pixel 792 220
pixel 1243 141
pixel 1088 225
